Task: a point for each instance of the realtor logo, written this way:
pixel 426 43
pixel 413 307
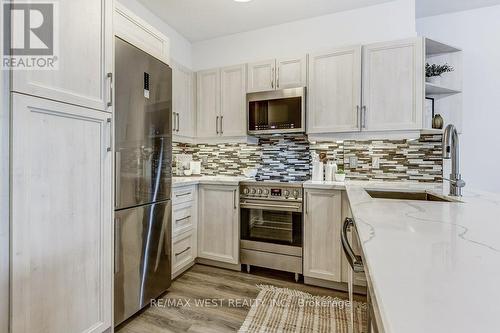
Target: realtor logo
pixel 29 35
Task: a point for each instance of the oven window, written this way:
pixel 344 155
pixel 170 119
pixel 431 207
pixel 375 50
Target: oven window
pixel 278 227
pixel 275 114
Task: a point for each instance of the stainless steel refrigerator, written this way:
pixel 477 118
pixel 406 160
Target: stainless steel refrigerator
pixel 143 179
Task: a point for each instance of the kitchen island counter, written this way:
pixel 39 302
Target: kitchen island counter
pixel 431 266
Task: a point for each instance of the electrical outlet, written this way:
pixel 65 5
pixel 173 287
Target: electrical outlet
pixel 353 162
pixel 375 162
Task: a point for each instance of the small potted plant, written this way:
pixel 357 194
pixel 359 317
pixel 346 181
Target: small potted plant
pixel 340 175
pixel 433 72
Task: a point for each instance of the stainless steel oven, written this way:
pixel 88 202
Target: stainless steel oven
pixel 271 226
pixel 276 112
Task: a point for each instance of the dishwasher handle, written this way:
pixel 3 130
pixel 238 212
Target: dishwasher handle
pixel 354 260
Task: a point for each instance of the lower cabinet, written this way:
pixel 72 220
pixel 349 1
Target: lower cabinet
pixel 184 228
pixel 62 230
pixel 184 249
pixel 219 225
pixel 322 226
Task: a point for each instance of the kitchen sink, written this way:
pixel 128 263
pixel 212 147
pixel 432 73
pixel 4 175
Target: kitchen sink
pixel 420 196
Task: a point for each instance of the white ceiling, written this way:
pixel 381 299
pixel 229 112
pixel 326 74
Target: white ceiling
pixel 205 19
pixel 436 7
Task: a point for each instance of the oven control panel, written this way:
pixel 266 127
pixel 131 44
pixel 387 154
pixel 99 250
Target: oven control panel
pixel 276 191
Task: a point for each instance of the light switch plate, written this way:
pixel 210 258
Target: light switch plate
pixel 375 162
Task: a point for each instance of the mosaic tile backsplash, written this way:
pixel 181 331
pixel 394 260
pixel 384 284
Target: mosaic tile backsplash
pixel 288 158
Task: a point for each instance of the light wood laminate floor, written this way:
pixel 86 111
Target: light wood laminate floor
pixel 235 289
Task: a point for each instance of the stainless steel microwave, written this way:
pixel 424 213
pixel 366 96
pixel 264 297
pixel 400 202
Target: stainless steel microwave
pixel 277 112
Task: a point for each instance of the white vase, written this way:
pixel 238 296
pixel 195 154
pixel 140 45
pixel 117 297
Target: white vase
pixel 340 177
pixel 434 80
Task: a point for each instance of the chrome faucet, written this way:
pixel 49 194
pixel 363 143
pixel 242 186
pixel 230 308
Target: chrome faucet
pixel 451 150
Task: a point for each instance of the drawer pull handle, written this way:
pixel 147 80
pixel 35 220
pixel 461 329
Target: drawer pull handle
pixel 187 249
pixel 183 194
pixel 184 218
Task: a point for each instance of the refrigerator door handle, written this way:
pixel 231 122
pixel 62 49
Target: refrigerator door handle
pixel 217 125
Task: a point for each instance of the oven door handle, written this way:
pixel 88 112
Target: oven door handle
pixel 354 260
pixel 296 208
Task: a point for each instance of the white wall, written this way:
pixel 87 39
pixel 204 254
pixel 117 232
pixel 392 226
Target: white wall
pixel 180 47
pixel 477 32
pixel 387 21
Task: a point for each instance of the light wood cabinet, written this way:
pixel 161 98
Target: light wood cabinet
pixel 84 58
pixel 218 227
pixel 261 76
pixel 183 116
pixel 62 240
pixel 334 94
pixel 322 226
pixel 277 74
pixel 393 85
pixel 208 103
pixel 291 73
pixel 221 102
pixel 184 228
pixel 233 101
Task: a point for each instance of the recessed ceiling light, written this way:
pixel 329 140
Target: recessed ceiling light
pixel 242 0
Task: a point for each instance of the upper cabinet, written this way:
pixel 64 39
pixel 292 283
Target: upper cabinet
pixel 377 87
pixel 277 74
pixel 82 76
pixel 261 76
pixel 233 101
pixel 291 73
pixel 183 116
pixel 221 102
pixel 334 93
pixel 393 85
pixel 208 103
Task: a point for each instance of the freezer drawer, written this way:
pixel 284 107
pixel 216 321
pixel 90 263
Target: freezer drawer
pixel 142 257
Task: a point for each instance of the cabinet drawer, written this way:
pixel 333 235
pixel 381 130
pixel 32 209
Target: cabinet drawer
pixel 183 251
pixel 183 218
pixel 183 194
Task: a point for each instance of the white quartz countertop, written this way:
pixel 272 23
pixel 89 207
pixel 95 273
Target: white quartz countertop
pixel 216 180
pixel 324 185
pixel 432 266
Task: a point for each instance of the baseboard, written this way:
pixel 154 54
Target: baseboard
pixel 208 262
pixel 341 286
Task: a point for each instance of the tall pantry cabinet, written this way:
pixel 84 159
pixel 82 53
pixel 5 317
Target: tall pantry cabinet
pixel 61 197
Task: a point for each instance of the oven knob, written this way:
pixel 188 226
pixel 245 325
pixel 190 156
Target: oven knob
pixel 253 191
pixel 266 192
pixel 259 192
pixel 296 194
pixel 287 193
pixel 246 191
